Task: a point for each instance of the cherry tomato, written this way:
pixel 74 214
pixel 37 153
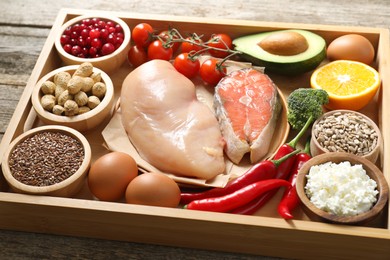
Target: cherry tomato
pixel 141 34
pixel 187 65
pixel 137 56
pixel 168 35
pixel 188 47
pixel 221 41
pixel 211 71
pixel 156 50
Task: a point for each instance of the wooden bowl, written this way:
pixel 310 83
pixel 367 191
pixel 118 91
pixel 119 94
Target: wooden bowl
pixel 65 188
pixel 108 63
pixel 319 215
pixel 82 122
pixel 316 148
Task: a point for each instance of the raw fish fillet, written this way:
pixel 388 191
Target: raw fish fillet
pixel 166 123
pixel 247 106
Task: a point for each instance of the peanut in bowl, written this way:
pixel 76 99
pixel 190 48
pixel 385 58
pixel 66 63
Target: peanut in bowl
pixel 57 103
pixel 336 190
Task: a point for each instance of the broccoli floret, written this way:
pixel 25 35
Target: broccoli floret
pixel 305 103
pixel 304 107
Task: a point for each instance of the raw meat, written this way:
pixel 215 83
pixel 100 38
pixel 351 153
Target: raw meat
pixel 247 106
pixel 166 123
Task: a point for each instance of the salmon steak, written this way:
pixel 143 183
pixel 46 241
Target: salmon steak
pixel 247 106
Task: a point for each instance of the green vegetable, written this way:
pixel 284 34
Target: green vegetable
pixel 304 107
pixel 249 46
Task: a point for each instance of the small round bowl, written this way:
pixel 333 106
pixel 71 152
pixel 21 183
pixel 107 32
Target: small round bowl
pixel 107 63
pixel 66 188
pixel 317 214
pixel 316 148
pixel 82 122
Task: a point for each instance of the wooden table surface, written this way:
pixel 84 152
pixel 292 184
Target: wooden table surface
pixel 24 26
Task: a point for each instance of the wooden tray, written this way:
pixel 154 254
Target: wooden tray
pixel 263 234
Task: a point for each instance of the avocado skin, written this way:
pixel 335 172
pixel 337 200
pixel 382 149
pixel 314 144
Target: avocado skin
pixel 288 69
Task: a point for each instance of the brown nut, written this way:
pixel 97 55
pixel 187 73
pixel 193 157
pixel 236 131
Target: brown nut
pixel 58 110
pixel 84 70
pixel 48 101
pixel 65 96
pixel 71 108
pixel 93 101
pixel 81 98
pixel 99 89
pixel 62 78
pixel 48 87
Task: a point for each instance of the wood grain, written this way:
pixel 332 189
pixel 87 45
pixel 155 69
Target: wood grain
pixel 24 27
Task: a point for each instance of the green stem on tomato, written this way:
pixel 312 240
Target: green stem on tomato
pixel 193 41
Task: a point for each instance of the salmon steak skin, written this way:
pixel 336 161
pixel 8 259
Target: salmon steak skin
pixel 247 106
pixel 170 128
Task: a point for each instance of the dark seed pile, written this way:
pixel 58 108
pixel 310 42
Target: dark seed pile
pixel 46 158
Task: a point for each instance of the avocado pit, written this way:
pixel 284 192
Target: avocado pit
pixel 285 43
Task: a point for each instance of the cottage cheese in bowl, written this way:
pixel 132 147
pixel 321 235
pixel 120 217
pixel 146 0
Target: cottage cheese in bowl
pixel 341 188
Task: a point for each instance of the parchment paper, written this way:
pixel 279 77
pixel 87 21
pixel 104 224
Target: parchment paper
pixel 116 138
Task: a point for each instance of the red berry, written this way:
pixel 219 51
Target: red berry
pixel 107 48
pixel 84 33
pixel 111 30
pixel 118 28
pixel 92 51
pixel 76 28
pixel 104 33
pixel 102 24
pixel 81 42
pixel 74 35
pixel 92 38
pixel 68 31
pixel 110 24
pixel 111 39
pixel 94 33
pixel 97 43
pixel 64 39
pixel 76 50
pixel 67 48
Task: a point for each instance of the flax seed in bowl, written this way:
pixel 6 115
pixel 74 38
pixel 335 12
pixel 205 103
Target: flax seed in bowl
pixel 47 160
pixel 346 131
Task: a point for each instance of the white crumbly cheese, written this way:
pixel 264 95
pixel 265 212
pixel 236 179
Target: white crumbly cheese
pixel 342 189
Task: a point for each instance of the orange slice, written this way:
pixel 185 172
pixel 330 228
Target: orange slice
pixel 350 84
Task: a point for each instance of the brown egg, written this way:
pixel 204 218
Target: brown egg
pixel 110 174
pixel 351 47
pixel 153 189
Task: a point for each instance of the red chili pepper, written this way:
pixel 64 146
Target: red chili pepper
pixel 283 172
pixel 290 199
pixel 237 198
pixel 284 168
pixel 261 171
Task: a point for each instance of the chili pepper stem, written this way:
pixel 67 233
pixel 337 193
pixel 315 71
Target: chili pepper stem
pixel 293 142
pixel 284 158
pixel 307 147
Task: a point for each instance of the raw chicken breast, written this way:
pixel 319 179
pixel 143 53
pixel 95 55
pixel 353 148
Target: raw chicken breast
pixel 166 123
pixel 247 106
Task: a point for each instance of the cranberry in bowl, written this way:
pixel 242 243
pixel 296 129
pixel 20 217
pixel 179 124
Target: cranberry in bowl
pixel 103 41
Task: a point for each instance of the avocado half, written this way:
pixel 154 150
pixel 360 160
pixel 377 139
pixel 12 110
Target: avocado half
pixel 281 64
